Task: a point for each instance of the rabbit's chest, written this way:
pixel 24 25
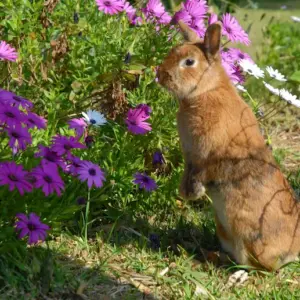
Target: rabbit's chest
pixel 219 204
pixel 191 138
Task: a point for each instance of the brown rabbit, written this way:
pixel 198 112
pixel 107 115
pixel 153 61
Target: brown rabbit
pixel 256 211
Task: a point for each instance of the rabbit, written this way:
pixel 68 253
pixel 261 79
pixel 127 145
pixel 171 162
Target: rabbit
pixel 225 156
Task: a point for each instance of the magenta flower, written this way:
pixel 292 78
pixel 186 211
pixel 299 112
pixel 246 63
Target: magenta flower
pixel 33 120
pixel 136 121
pixel 155 11
pixel 145 182
pixel 10 115
pixel 91 173
pixel 237 54
pixel 213 18
pixel 233 72
pixel 48 178
pixel 145 108
pixel 75 163
pixel 7 52
pixel 128 8
pixel 192 12
pixel 19 137
pixel 110 7
pixel 14 100
pixel 32 226
pixel 79 125
pixel 14 176
pixel 233 30
pixel 63 144
pixel 196 8
pixel 164 18
pixel 199 27
pixel 50 157
pixel 154 8
pixel 182 15
pixel 131 14
pixel 227 57
pixel 240 78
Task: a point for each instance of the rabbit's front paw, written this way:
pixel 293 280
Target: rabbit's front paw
pixel 191 189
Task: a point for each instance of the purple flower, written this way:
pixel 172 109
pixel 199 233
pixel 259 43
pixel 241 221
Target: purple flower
pixel 233 30
pixel 136 121
pixel 145 182
pixel 19 137
pixel 110 7
pixel 230 70
pixel 50 157
pixel 182 15
pixel 199 27
pixel 192 12
pixel 14 176
pixel 239 77
pixel 213 18
pixel 145 108
pixel 7 52
pixel 155 11
pixel 63 144
pixel 196 8
pixel 34 120
pixel 233 71
pixel 81 201
pixel 75 163
pixel 91 173
pixel 32 226
pixel 79 125
pixel 128 8
pixel 48 178
pixel 237 54
pixel 154 241
pixel 158 158
pixel 14 100
pixel 131 13
pixel 10 115
pixel 226 57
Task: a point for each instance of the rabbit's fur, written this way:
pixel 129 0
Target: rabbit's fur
pixel 256 212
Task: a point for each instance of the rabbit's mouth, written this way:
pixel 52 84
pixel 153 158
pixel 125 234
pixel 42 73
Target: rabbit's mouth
pixel 166 80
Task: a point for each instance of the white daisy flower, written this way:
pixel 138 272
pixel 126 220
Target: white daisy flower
pixel 284 94
pixel 251 68
pixel 287 96
pixel 295 19
pixel 271 88
pixel 93 117
pixel 275 74
pixel 241 88
pixel 296 103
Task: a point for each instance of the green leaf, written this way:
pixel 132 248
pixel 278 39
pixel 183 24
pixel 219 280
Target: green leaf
pixel 295 76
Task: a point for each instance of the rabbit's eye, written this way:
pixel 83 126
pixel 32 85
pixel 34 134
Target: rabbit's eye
pixel 189 62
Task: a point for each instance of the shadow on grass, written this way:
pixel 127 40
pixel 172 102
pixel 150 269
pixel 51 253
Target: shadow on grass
pixel 197 240
pixel 49 274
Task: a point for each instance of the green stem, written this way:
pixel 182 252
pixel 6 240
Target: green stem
pixel 87 211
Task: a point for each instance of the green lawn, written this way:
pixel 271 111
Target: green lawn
pixel 253 17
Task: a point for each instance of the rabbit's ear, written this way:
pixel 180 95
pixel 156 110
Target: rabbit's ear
pixel 188 34
pixel 212 39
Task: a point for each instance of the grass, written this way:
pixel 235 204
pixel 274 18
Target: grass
pixel 121 262
pixel 257 19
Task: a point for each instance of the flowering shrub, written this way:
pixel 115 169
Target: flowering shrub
pixel 96 118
